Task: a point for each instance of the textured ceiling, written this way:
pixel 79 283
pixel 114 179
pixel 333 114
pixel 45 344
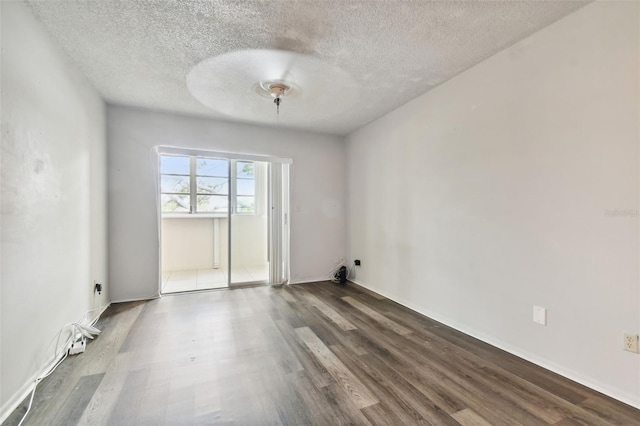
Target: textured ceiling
pixel 371 56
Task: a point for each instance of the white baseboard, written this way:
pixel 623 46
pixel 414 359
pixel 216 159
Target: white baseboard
pixel 141 299
pixel 24 391
pixel 544 363
pixel 310 281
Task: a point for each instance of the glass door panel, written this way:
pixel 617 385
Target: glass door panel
pixel 249 223
pixel 194 209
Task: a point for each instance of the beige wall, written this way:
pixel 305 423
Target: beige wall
pixel 189 243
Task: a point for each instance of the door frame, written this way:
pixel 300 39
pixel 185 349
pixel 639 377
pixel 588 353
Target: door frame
pixel 284 198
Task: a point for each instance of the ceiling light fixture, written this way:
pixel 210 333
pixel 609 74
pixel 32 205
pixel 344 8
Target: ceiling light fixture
pixel 278 90
pixel 238 84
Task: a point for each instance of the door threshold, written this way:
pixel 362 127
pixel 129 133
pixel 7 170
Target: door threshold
pixel 203 290
pixel 248 284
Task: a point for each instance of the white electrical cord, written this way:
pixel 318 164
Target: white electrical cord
pixel 84 330
pixel 335 269
pixel 332 276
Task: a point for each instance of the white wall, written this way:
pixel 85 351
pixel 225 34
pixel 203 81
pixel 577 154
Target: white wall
pixel 318 195
pixel 489 195
pixel 53 198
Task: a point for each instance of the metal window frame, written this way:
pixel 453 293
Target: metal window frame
pixel 232 193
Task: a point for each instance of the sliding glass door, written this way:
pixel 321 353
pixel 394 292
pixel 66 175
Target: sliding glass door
pixel 223 220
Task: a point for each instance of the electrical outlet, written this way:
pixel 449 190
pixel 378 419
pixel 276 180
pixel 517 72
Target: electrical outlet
pixel 630 343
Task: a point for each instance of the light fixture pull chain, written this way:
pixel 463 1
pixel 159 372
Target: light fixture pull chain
pixel 277 90
pixel 277 102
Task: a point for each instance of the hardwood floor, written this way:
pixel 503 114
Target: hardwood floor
pixel 306 354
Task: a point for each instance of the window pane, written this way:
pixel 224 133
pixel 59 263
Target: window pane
pixel 211 185
pixel 212 203
pixel 212 167
pixel 245 169
pixel 175 165
pixel 174 203
pixel 246 205
pixel 174 184
pixel 246 186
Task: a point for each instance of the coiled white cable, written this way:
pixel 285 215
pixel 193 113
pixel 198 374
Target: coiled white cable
pixel 76 327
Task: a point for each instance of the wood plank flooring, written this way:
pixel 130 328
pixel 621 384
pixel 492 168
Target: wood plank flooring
pixel 307 354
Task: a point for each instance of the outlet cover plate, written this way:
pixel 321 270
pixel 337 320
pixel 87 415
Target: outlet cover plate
pixel 540 315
